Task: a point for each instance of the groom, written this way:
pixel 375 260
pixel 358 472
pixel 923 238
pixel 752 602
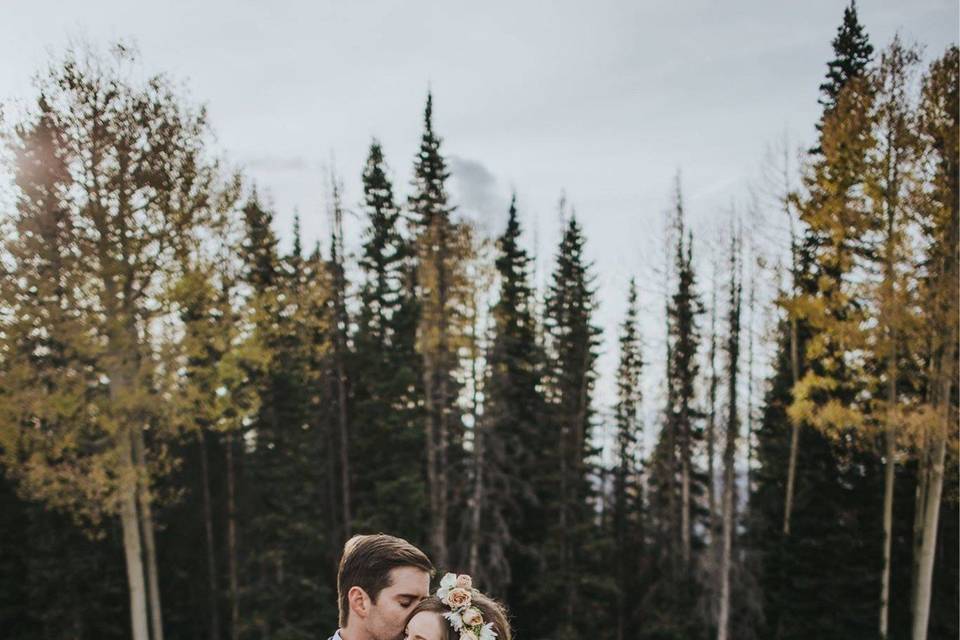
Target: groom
pixel 380 580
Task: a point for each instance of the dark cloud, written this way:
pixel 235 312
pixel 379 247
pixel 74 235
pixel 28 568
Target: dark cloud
pixel 477 192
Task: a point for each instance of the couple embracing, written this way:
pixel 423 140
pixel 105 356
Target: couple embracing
pixel 383 592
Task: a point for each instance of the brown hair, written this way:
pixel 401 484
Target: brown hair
pixel 490 609
pixel 367 562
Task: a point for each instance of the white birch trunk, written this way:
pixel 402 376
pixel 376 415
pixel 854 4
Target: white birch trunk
pixel 131 544
pixel 149 544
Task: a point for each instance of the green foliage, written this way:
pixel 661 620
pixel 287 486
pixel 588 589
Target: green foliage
pixel 389 486
pixel 514 516
pixel 568 492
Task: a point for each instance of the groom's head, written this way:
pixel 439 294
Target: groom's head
pixel 380 580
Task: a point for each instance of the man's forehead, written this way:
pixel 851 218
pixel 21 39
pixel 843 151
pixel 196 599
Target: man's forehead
pixel 409 581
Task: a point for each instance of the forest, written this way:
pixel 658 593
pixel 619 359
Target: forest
pixel 193 421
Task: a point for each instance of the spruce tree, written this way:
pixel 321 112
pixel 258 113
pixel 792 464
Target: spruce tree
pixel 729 501
pixel 677 484
pixel 628 496
pixel 442 246
pixel 283 528
pixel 684 310
pixel 852 51
pixel 513 423
pixel 390 493
pixel 572 341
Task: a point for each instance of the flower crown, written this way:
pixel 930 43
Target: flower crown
pixel 456 591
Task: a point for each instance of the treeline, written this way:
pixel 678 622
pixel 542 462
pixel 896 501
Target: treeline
pixel 193 421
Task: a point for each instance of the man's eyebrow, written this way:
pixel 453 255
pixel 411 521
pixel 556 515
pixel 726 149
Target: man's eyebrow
pixel 408 595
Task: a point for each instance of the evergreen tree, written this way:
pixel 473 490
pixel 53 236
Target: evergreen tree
pixel 570 550
pixel 684 310
pixel 677 485
pixel 515 434
pixel 729 502
pixel 852 51
pixel 442 248
pixel 628 499
pixel 284 532
pixel 390 493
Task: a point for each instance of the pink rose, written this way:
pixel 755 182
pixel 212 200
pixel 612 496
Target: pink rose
pixel 458 598
pixel 464 581
pixel 472 617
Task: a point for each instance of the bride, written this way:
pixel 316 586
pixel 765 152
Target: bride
pixel 457 612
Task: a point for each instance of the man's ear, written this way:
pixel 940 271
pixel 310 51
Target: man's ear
pixel 359 602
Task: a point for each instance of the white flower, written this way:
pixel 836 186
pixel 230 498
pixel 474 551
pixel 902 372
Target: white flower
pixel 467 635
pixel 487 632
pixel 454 619
pixel 448 582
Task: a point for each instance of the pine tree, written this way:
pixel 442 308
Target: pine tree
pixel 285 513
pixel 339 326
pixel 442 248
pixel 390 493
pixel 853 51
pixel 628 499
pixel 572 340
pixel 513 423
pixel 684 310
pixel 729 502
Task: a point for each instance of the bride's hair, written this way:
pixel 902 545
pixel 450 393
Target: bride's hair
pixel 490 609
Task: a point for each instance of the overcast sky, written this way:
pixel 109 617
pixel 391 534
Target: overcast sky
pixel 603 101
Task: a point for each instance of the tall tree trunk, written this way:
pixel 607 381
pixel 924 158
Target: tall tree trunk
pixel 730 447
pixel 685 500
pixel 794 351
pixel 232 540
pixel 478 498
pixel 921 618
pixel 726 553
pixel 208 538
pixel 946 373
pixel 149 544
pixel 565 572
pixel 478 440
pixel 920 510
pixel 340 348
pixel 712 421
pixel 713 548
pixel 344 442
pixel 443 489
pixel 437 535
pixel 888 484
pixel 751 303
pixel 794 430
pixel 443 384
pixel 132 549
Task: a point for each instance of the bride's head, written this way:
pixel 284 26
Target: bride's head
pixel 427 621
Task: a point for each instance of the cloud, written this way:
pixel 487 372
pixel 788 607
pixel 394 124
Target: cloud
pixel 276 163
pixel 477 193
